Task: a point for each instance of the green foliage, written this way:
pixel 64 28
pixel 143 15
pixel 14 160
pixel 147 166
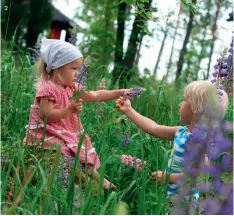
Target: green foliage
pixel 32 18
pixel 99 37
pixel 11 20
pixel 16 76
pixel 189 3
pixel 200 41
pixel 33 182
pixel 137 190
pixel 36 184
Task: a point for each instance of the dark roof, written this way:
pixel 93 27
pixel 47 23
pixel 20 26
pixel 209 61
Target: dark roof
pixel 230 17
pixel 59 17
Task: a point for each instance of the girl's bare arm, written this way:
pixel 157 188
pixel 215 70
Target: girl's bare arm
pixel 46 109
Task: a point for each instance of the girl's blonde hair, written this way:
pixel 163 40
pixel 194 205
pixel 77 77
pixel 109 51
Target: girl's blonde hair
pixel 43 76
pixel 199 93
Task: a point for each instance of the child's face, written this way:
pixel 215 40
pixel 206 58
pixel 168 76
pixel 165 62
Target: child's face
pixel 186 114
pixel 68 72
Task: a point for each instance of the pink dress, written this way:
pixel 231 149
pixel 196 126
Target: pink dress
pixel 65 132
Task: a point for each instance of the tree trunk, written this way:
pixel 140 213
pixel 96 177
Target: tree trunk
pixel 160 52
pixel 134 40
pixel 41 13
pixel 201 52
pixel 186 40
pixel 173 43
pixel 118 65
pixel 214 28
pixel 203 47
pixel 188 69
pixel 139 51
pixel 201 56
pixel 107 28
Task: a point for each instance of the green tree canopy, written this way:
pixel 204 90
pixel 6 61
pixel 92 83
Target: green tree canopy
pixel 31 16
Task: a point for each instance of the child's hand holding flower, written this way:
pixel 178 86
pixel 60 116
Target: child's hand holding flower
pixel 75 107
pixel 123 105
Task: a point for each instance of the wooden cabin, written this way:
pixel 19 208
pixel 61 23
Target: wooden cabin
pixel 59 23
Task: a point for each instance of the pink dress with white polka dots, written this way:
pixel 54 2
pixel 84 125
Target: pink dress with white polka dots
pixel 66 132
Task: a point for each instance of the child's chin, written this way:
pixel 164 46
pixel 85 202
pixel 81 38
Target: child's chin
pixel 183 121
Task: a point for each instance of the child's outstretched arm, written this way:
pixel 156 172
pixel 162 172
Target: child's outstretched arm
pixel 102 95
pixel 145 124
pixel 46 108
pixel 160 176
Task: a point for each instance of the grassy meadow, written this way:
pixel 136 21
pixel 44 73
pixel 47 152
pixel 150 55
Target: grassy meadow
pixel 29 187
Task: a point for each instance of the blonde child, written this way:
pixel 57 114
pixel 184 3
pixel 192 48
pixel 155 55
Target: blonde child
pixel 190 109
pixel 58 70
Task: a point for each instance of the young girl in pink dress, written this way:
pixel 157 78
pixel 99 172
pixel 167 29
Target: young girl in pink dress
pixel 58 70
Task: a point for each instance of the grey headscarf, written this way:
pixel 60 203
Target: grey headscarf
pixel 57 53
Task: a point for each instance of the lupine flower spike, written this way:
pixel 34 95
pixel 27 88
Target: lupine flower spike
pixel 134 162
pixel 133 92
pixel 223 72
pixel 130 94
pixel 208 139
pixel 125 140
pixel 81 79
pixel 83 75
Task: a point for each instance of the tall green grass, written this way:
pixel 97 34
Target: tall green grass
pixel 36 190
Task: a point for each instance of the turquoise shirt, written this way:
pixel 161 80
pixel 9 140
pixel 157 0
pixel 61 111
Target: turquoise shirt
pixel 176 158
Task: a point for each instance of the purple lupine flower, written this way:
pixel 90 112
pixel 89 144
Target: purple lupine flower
pixel 223 143
pixel 220 93
pixel 212 206
pixel 133 92
pixel 208 139
pixel 82 75
pixel 214 170
pixel 222 80
pixel 228 61
pixel 220 187
pixel 191 170
pixel 125 140
pixel 223 73
pixel 214 80
pixel 198 136
pixel 215 74
pixel 216 144
pixel 213 143
pixel 227 208
pixel 204 187
pixel 227 162
pixel 221 87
